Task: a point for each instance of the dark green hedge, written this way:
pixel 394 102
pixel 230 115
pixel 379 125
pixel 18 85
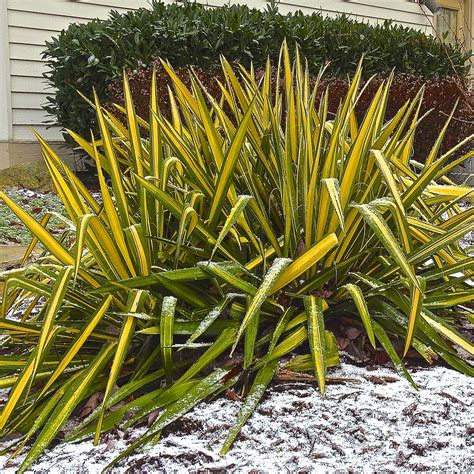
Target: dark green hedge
pixel 94 54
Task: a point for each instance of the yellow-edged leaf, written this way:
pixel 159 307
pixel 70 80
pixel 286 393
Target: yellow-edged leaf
pixel 317 338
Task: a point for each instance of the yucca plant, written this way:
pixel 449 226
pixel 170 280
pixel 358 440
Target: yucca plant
pixel 242 227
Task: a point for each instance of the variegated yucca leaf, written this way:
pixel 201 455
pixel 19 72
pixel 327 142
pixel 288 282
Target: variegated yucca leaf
pixel 244 226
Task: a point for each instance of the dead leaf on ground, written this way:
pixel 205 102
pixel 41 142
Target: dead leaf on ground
pixel 353 333
pixel 290 376
pixel 231 395
pixel 152 417
pixel 342 343
pixel 94 401
pixel 381 379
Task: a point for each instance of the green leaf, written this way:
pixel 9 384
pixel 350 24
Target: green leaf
pixel 317 338
pixel 230 162
pixel 225 339
pixel 202 389
pixel 389 241
pixel 332 186
pixel 262 379
pixel 389 349
pixel 66 406
pixel 232 218
pixel 166 335
pixel 362 308
pixel 416 307
pixel 123 344
pixel 264 291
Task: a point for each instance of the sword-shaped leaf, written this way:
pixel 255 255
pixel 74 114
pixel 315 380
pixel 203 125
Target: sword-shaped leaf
pixel 66 405
pixel 362 308
pixel 232 218
pixel 417 295
pixel 230 162
pixel 212 316
pixel 389 178
pixel 250 339
pixel 213 383
pixel 124 339
pixel 39 232
pixel 263 378
pixel 317 338
pixel 54 304
pixel 332 186
pixel 387 238
pixel 263 292
pixel 166 335
pixel 81 338
pixel 306 261
pixel 448 331
pixel 80 237
pixel 225 339
pixel 389 349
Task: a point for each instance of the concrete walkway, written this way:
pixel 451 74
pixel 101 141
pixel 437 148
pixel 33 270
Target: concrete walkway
pixel 11 255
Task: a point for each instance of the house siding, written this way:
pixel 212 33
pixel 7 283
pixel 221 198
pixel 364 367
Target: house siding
pixel 404 12
pixel 29 23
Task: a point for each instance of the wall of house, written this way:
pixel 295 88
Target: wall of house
pixel 30 24
pixel 25 25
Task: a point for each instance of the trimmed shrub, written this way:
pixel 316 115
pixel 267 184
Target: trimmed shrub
pixel 92 55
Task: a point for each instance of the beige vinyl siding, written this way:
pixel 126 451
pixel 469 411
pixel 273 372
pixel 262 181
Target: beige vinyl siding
pixel 32 100
pixel 405 12
pixel 29 84
pixel 32 22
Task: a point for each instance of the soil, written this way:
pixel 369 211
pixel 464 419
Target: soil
pixel 369 421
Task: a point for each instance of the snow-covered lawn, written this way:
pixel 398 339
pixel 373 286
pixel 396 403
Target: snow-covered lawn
pixel 369 421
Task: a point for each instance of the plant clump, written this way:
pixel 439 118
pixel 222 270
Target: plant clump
pixel 232 235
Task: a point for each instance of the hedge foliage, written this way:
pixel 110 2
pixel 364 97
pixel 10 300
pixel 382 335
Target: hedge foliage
pixel 92 55
pixel 441 96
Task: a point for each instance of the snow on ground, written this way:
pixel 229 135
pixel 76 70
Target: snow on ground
pixel 375 422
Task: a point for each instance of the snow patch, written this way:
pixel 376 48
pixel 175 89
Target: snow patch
pixel 375 423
